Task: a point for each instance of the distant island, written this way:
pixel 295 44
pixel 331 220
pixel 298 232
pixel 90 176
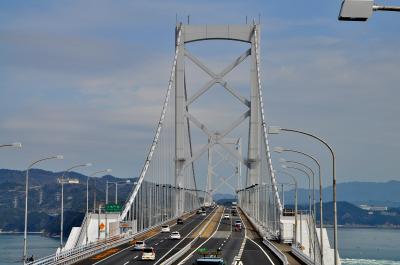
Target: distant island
pixel 44 201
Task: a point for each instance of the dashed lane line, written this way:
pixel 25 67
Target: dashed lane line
pixel 116 253
pixel 191 253
pixel 244 242
pixel 196 227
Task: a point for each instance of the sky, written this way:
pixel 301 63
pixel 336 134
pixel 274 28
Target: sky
pixel 87 79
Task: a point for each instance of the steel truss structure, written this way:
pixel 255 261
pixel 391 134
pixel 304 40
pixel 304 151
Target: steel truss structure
pixel 178 186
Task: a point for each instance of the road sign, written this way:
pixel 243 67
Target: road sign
pixel 113 208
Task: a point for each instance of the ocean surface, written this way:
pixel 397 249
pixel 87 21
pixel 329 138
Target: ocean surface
pixel 367 246
pixel 11 246
pixel 357 246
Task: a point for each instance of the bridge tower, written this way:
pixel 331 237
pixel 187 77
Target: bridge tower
pixel 214 161
pixel 192 33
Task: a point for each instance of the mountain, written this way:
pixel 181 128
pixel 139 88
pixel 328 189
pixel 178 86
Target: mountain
pixel 351 215
pixel 44 199
pixel 223 196
pixel 371 193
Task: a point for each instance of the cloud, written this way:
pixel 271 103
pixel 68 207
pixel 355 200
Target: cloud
pixel 90 77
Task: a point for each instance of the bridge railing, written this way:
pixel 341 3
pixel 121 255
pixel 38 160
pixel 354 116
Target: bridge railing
pixel 316 247
pixel 82 252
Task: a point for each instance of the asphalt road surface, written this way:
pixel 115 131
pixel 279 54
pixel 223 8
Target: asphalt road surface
pixel 161 243
pixel 225 239
pixel 229 243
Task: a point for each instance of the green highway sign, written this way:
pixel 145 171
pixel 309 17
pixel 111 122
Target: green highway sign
pixel 113 208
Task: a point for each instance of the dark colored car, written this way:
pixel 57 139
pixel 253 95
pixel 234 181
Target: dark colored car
pixel 179 221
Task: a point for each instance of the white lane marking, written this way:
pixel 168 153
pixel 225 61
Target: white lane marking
pixel 239 256
pixel 191 253
pixel 136 257
pixel 263 251
pixel 202 221
pixel 119 252
pixel 243 244
pixel 126 262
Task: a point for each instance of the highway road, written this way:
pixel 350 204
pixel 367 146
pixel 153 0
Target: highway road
pixel 219 234
pixel 161 242
pixel 255 252
pixel 232 244
pixel 224 239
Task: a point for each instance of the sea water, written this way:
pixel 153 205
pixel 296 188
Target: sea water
pixel 11 247
pixel 367 246
pixel 357 246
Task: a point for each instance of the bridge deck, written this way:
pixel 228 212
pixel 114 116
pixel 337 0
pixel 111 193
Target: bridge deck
pixel 255 245
pixel 287 250
pixel 125 254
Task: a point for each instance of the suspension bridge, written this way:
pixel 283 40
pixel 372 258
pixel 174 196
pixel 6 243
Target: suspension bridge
pixel 168 193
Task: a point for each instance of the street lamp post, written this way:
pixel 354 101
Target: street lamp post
pixel 309 185
pixel 116 188
pixel 277 130
pixel 361 10
pixel 26 198
pixel 295 204
pixel 87 199
pixel 62 200
pixel 280 150
pixel 309 196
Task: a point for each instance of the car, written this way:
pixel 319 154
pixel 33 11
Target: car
pixel 175 235
pixel 199 211
pixel 227 216
pixel 148 254
pixel 179 221
pixel 165 229
pixel 139 245
pixel 203 213
pixel 238 225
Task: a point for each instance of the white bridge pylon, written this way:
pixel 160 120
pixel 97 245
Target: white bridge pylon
pixel 167 185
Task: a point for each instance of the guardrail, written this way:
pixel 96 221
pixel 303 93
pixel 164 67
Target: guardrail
pixel 266 242
pixel 303 257
pixel 276 251
pixel 178 254
pixel 74 255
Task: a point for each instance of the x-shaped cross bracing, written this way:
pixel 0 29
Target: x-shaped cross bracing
pixel 224 181
pixel 216 138
pixel 218 78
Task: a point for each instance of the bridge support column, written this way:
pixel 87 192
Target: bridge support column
pixel 180 123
